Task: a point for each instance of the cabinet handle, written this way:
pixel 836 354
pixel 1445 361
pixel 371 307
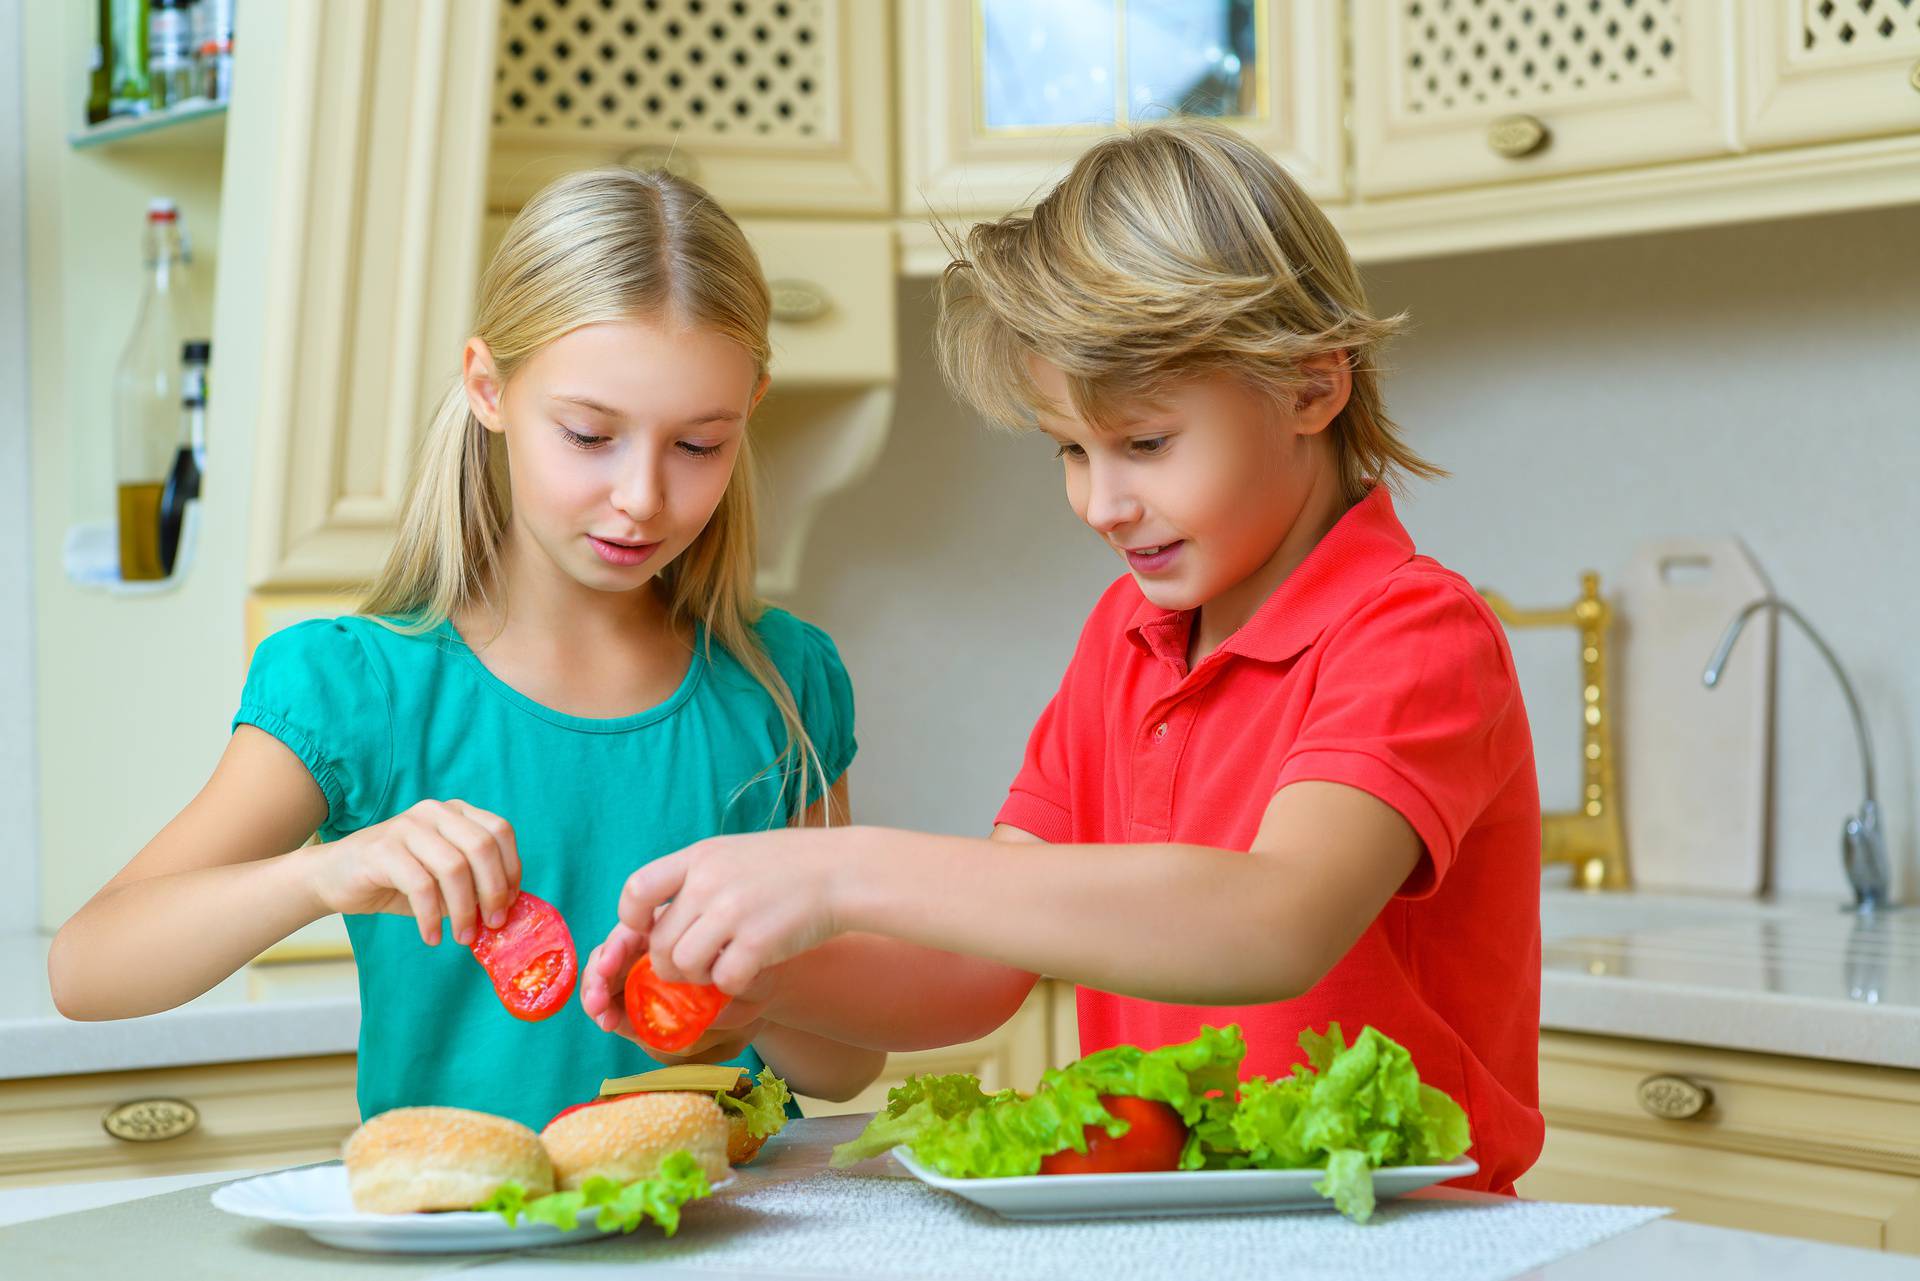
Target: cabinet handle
pixel 798 301
pixel 151 1120
pixel 1517 136
pixel 677 161
pixel 1913 75
pixel 1674 1098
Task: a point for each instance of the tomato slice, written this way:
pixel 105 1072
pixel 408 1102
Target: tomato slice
pixel 671 1016
pixel 529 958
pixel 1154 1142
pixel 590 1103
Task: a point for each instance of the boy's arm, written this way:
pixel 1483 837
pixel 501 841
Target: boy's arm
pixel 1177 923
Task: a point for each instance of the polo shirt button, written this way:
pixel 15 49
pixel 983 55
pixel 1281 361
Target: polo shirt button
pixel 1160 730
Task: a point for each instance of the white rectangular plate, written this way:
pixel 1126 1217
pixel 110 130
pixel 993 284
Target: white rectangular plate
pixel 1119 1196
pixel 315 1200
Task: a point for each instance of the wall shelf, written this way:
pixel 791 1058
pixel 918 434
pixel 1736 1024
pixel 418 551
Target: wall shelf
pixel 191 126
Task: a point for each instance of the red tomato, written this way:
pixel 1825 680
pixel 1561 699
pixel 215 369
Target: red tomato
pixel 1154 1142
pixel 590 1103
pixel 671 1016
pixel 529 958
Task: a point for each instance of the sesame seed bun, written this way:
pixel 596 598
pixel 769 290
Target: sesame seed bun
pixel 628 1138
pixel 413 1159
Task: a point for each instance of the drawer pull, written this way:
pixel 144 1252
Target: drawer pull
pixel 677 161
pixel 1674 1098
pixel 1517 136
pixel 797 301
pixel 151 1120
pixel 1913 75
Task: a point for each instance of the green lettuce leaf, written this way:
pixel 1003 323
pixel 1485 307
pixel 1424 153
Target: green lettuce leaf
pixel 765 1105
pixel 624 1206
pixel 914 1107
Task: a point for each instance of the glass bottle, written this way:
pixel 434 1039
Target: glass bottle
pixel 100 67
pixel 146 419
pixel 170 54
pixel 127 83
pixel 190 458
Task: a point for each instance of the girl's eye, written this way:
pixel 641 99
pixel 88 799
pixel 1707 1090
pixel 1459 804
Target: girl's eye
pixel 1150 445
pixel 693 450
pixel 579 440
pixel 1070 451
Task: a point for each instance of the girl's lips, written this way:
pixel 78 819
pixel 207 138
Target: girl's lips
pixel 623 554
pixel 1158 561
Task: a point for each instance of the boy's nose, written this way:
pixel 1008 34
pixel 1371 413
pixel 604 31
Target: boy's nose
pixel 1110 506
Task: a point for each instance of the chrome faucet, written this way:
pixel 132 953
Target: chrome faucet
pixel 1863 845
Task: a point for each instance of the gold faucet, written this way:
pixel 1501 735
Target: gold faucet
pixel 1588 837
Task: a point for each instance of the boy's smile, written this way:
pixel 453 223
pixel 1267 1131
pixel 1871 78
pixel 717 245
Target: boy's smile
pixel 1212 493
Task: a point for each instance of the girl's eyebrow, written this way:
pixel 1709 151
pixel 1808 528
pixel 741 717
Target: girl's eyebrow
pixel 588 402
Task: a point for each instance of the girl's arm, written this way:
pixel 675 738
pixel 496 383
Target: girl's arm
pixel 1165 922
pixel 227 878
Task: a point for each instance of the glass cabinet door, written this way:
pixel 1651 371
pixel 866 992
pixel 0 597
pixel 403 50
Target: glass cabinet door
pixel 1002 94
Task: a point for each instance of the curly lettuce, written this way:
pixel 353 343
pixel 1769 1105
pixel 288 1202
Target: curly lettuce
pixel 624 1206
pixel 765 1105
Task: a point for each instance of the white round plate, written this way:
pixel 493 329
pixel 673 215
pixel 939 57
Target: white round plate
pixel 1119 1196
pixel 314 1199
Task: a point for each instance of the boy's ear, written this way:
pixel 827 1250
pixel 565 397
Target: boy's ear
pixel 1320 399
pixel 482 381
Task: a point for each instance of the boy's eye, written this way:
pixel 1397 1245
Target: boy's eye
pixel 1069 451
pixel 1150 445
pixel 581 440
pixel 695 450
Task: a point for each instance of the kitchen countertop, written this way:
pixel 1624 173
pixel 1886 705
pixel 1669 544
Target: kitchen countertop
pixel 1663 1250
pixel 1787 976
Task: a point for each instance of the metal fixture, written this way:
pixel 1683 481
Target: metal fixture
pixel 1863 845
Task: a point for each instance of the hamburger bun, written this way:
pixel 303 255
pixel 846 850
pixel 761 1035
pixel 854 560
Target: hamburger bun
pixel 627 1138
pixel 414 1159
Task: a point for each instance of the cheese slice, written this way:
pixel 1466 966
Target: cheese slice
pixel 697 1078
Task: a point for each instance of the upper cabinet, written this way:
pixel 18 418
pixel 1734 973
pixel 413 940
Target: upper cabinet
pixel 1817 70
pixel 998 97
pixel 1459 93
pixel 775 106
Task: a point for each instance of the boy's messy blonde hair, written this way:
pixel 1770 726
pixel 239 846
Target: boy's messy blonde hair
pixel 598 246
pixel 1173 251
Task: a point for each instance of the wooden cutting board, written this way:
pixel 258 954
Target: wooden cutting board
pixel 1694 763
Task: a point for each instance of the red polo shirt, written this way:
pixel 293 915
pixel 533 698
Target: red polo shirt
pixel 1369 666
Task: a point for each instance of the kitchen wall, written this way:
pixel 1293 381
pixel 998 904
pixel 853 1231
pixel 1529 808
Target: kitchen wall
pixel 19 862
pixel 1760 380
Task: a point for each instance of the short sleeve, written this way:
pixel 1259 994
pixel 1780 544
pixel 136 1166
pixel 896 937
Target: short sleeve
pixel 314 687
pixel 1039 800
pixel 1416 703
pixel 809 662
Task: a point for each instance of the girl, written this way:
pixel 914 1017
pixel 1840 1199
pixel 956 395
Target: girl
pixel 562 671
pixel 1287 778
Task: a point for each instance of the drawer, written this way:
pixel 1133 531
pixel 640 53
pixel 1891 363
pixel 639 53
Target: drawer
pixel 1865 1117
pixel 273 1113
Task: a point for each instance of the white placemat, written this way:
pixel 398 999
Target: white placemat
pixel 844 1225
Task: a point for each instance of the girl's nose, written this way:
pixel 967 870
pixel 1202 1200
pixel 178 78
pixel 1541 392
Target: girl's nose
pixel 639 490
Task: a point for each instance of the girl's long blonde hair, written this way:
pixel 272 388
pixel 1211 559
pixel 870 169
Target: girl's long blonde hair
pixel 1172 251
pixel 593 247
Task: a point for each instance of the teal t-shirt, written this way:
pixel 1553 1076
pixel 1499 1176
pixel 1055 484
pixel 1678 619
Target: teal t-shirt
pixel 383 720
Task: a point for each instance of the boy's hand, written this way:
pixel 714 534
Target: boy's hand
pixel 728 909
pixel 603 996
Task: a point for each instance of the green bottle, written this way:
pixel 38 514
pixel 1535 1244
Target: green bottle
pixel 100 72
pixel 128 85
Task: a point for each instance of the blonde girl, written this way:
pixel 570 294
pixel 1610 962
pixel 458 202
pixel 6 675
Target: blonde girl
pixel 561 673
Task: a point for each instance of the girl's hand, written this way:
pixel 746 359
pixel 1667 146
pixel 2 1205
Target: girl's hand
pixel 438 859
pixel 736 906
pixel 602 995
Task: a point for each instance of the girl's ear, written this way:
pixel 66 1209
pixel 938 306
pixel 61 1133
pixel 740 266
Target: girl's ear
pixel 482 380
pixel 1329 384
pixel 766 380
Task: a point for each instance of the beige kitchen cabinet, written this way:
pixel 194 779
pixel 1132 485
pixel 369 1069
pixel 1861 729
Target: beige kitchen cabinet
pixel 998 98
pixel 1822 70
pixel 246 1116
pixel 1012 1056
pixel 1799 1147
pixel 1453 93
pixel 775 106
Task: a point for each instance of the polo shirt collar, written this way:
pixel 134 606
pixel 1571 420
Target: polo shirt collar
pixel 1364 546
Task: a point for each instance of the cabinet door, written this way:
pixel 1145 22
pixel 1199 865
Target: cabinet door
pixel 1821 70
pixel 998 97
pixel 775 106
pixel 370 182
pixel 1456 93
